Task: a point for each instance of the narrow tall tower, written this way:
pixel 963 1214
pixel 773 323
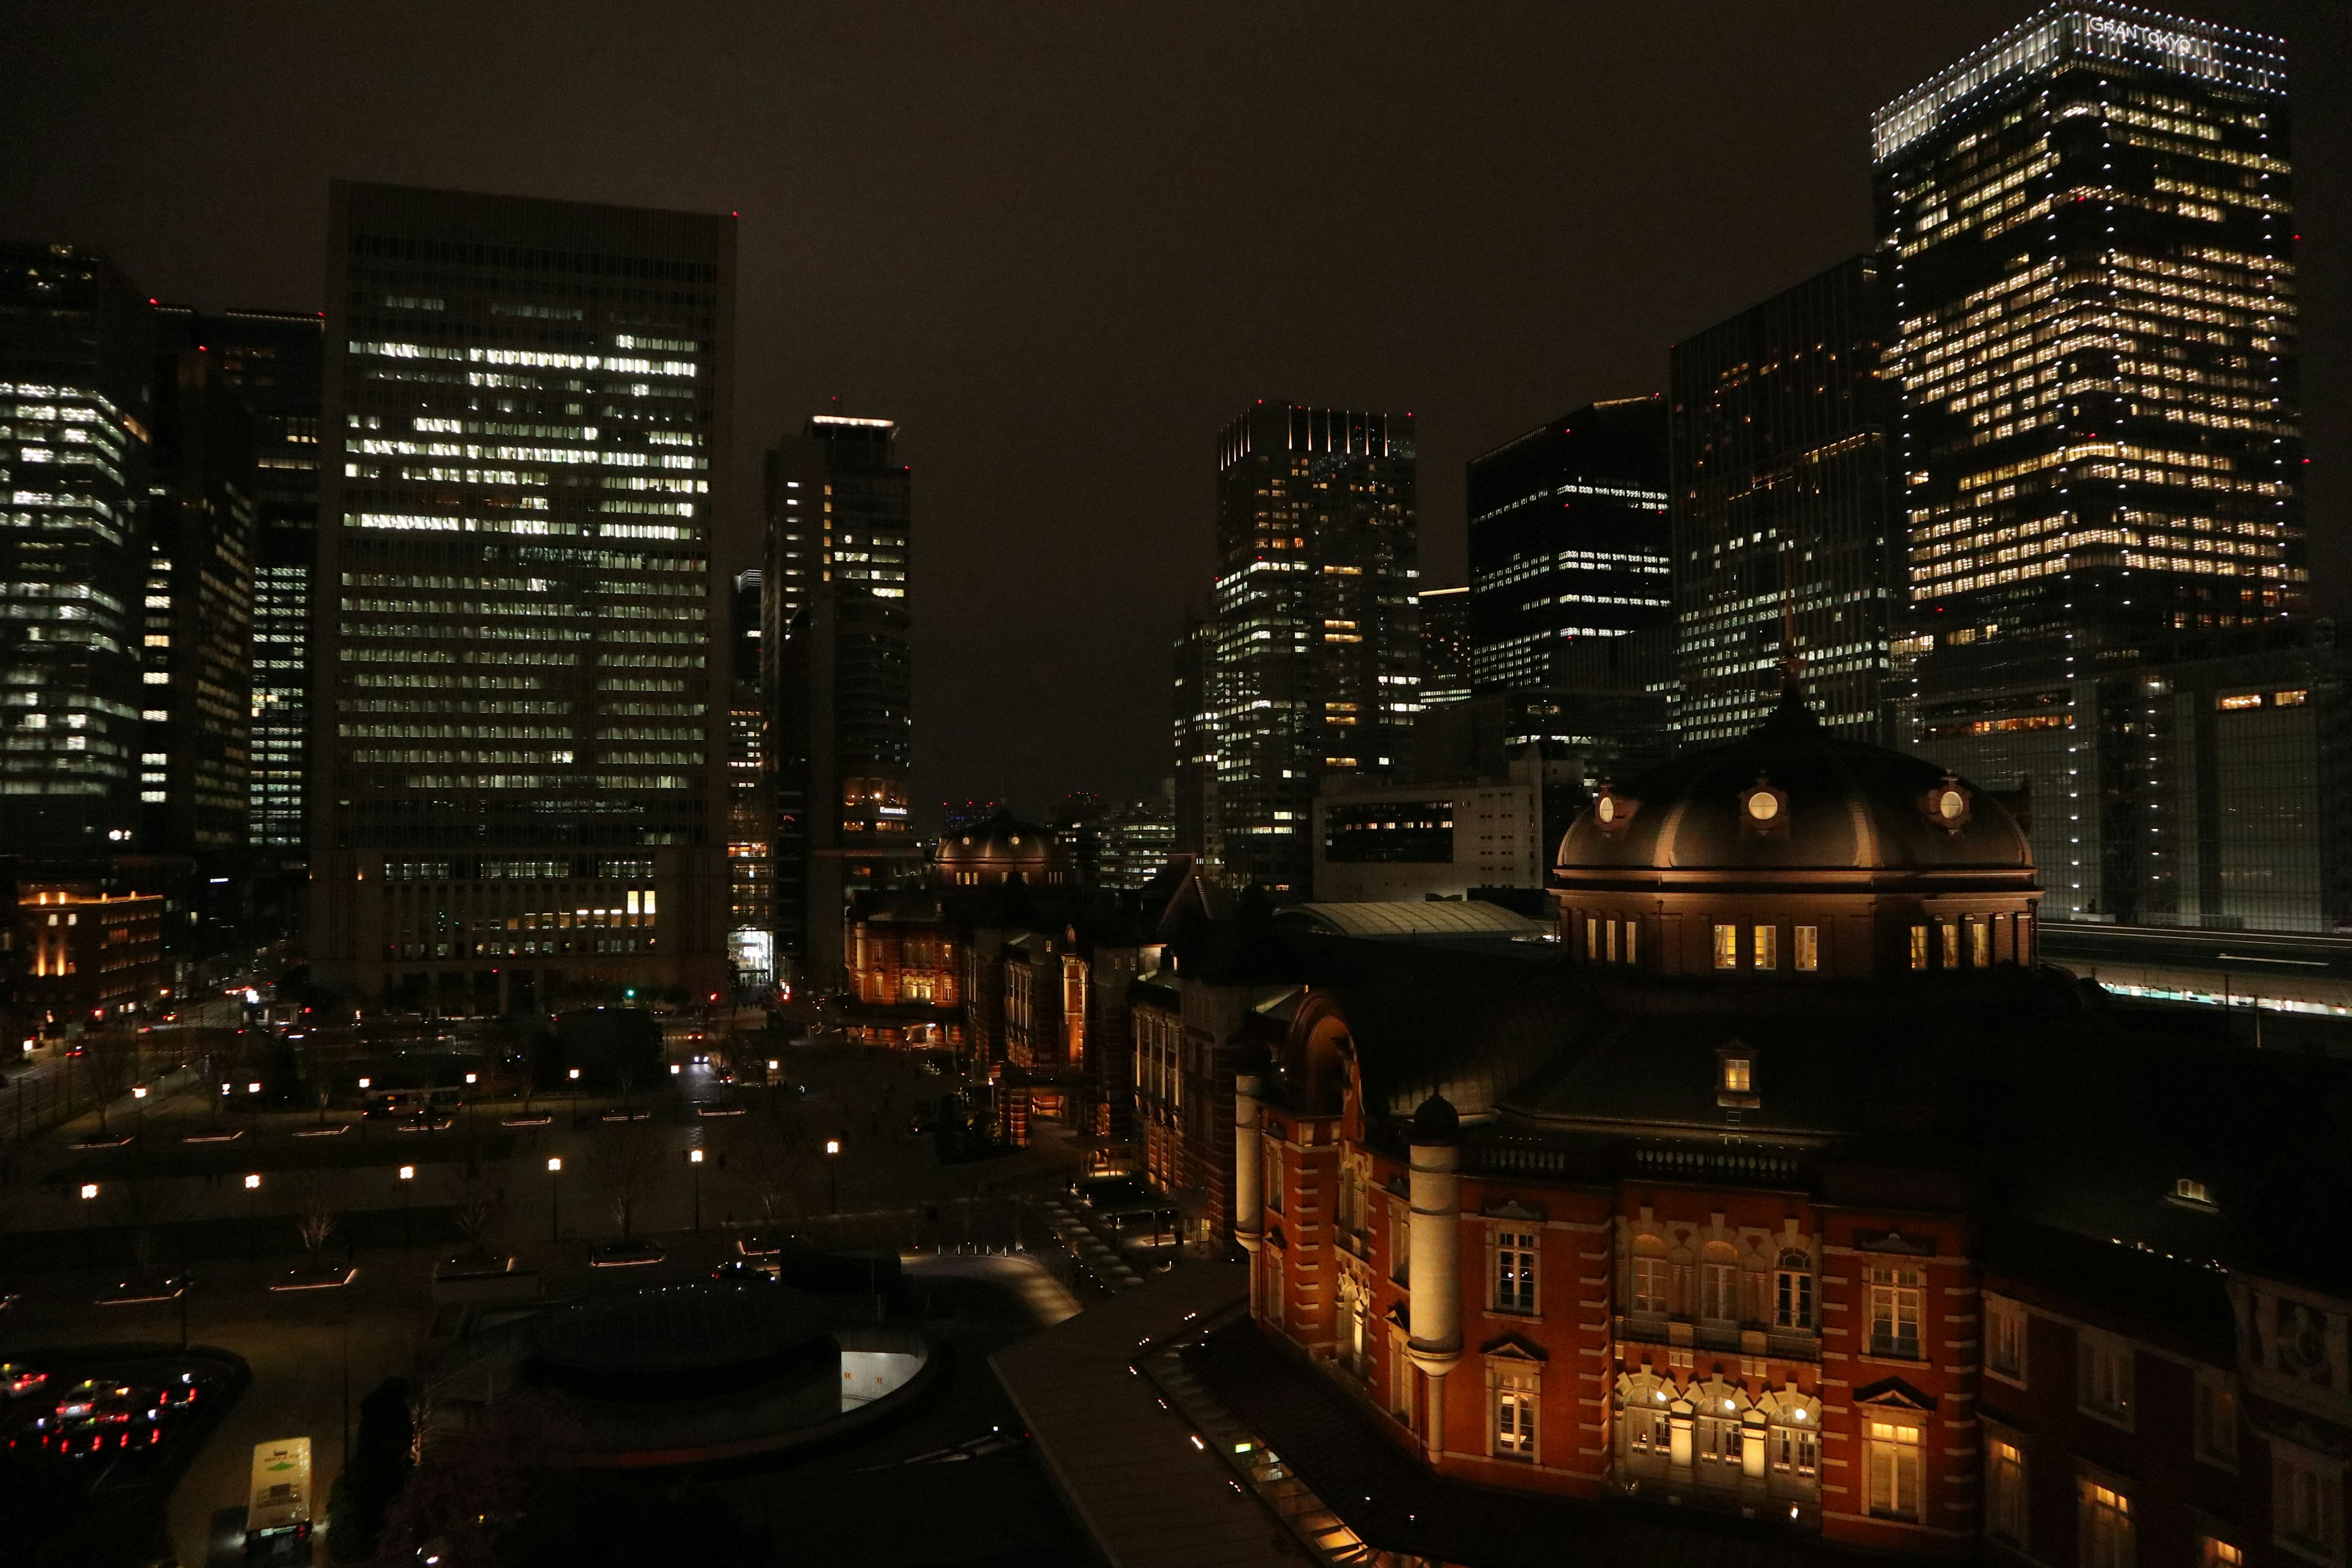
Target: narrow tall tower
pixel 834 648
pixel 516 694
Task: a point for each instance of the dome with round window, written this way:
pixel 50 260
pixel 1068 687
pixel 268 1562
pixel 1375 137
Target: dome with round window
pixel 1794 850
pixel 1003 849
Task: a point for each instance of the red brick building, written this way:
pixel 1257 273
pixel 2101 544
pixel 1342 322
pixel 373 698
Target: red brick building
pixel 1789 1192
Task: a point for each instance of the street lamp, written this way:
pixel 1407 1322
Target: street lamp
pixel 831 1177
pixel 694 1162
pixel 407 1175
pixel 252 1215
pixel 554 1169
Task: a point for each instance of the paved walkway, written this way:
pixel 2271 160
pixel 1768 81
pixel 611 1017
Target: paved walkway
pixel 1138 1476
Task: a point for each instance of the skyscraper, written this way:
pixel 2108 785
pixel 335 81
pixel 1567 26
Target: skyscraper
pixel 2089 226
pixel 1445 646
pixel 835 640
pixel 272 360
pixel 750 812
pixel 1568 539
pixel 196 653
pixel 1313 660
pixel 76 356
pixel 518 795
pixel 1783 508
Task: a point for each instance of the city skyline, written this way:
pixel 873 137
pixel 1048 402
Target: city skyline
pixel 992 302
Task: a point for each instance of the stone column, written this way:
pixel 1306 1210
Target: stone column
pixel 1249 1175
pixel 1435 1278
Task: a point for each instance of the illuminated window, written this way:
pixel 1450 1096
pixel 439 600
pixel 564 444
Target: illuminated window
pixel 1981 943
pixel 1768 947
pixel 2005 1491
pixel 2243 701
pixel 1738 1075
pixel 1611 945
pixel 2308 1502
pixel 1808 947
pixel 1918 947
pixel 2212 1552
pixel 1950 932
pixel 1591 936
pixel 1515 1415
pixel 2107 1528
pixel 2289 699
pixel 1892 1453
pixel 1631 929
pixel 1726 947
pixel 1649 1284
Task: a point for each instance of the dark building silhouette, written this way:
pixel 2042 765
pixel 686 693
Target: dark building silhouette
pixel 516 694
pixel 834 641
pixel 1445 645
pixel 1782 510
pixel 1568 539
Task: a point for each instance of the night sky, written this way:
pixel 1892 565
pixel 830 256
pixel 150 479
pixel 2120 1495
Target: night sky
pixel 1063 244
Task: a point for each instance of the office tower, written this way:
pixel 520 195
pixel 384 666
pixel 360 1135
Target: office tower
pixel 751 815
pixel 1137 839
pixel 1568 539
pixel 197 651
pixel 1781 514
pixel 1313 664
pixel 2089 223
pixel 76 361
pixel 272 360
pixel 1444 645
pixel 835 636
pixel 1192 725
pixel 518 784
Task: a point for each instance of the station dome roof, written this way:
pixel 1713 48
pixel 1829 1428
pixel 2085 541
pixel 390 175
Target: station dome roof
pixel 1789 801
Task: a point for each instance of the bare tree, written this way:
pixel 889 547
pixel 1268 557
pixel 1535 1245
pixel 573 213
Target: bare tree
pixel 110 1060
pixel 480 1197
pixel 141 1199
pixel 622 1171
pixel 772 1169
pixel 315 1212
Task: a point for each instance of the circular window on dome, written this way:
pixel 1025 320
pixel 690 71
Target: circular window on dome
pixel 1611 811
pixel 1764 807
pixel 1948 806
pixel 1017 841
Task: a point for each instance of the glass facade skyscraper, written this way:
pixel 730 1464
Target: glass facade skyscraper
pixel 1444 645
pixel 2089 226
pixel 1783 508
pixel 1568 539
pixel 76 355
pixel 2088 222
pixel 1311 664
pixel 517 695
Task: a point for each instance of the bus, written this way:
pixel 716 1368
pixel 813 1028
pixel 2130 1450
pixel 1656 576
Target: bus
pixel 277 1512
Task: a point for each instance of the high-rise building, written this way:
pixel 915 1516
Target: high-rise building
pixel 1568 539
pixel 1313 652
pixel 77 358
pixel 2089 226
pixel 1193 726
pixel 517 692
pixel 1445 645
pixel 833 638
pixel 272 360
pixel 1784 537
pixel 197 652
pixel 750 814
pixel 1138 839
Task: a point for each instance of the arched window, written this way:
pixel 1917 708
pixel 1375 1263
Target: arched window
pixel 1792 1291
pixel 1646 1438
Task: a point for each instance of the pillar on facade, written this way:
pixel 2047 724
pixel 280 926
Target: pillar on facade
pixel 1249 1174
pixel 1433 1278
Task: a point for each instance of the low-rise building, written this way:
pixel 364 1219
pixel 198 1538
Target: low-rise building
pixel 87 956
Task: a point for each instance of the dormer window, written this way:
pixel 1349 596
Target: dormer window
pixel 2188 1190
pixel 1738 1075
